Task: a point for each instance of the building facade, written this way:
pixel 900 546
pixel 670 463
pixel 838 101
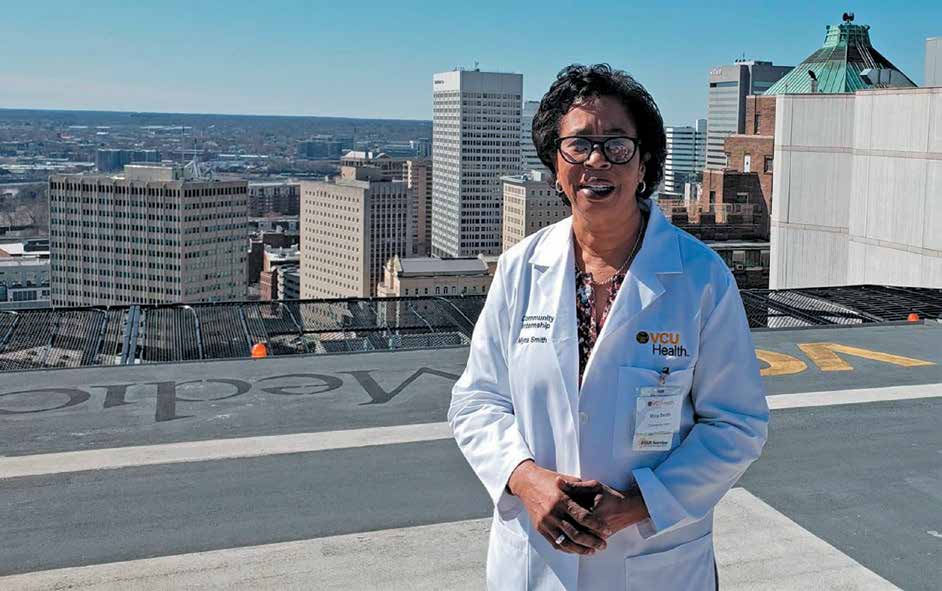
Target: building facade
pixel 274 198
pixel 24 279
pixel 529 160
pixel 933 76
pixel 430 276
pixel 530 203
pixel 350 227
pixel 726 110
pixel 114 160
pixel 856 197
pixel 475 141
pixel 151 235
pixel 686 155
pixel 418 177
pixel 393 169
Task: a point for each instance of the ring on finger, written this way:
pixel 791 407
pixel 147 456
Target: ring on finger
pixel 560 539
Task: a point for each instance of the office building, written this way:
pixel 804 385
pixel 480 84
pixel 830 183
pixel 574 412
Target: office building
pixel 289 283
pixel 726 110
pixel 266 198
pixel 686 154
pixel 475 141
pixel 350 227
pixel 418 177
pixel 530 203
pixel 110 160
pixel 324 147
pixel 150 235
pixel 529 160
pixel 393 169
pixel 424 276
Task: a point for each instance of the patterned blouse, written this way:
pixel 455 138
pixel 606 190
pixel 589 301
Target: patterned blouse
pixel 588 328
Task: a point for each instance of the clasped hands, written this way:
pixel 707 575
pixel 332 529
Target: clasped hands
pixel 588 512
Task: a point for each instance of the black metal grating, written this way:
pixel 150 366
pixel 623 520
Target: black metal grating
pixel 81 337
pixel 879 301
pixel 112 339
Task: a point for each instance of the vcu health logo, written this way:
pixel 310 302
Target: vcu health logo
pixel 666 344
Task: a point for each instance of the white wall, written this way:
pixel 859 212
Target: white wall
pixel 858 189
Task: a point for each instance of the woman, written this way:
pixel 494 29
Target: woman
pixel 612 394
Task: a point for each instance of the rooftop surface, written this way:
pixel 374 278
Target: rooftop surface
pixel 221 472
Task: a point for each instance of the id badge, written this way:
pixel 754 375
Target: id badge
pixel 657 417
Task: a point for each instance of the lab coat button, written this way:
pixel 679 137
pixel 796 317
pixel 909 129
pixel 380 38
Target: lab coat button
pixel 583 417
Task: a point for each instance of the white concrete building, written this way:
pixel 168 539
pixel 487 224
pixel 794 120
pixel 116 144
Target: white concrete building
pixel 686 153
pixel 475 141
pixel 858 189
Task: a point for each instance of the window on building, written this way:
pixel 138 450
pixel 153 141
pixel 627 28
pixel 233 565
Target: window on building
pixel 767 165
pixel 747 163
pixel 712 197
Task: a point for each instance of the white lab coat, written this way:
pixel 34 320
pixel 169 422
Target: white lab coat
pixel 519 398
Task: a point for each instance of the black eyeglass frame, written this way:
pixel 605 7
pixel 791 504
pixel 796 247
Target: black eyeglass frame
pixel 595 144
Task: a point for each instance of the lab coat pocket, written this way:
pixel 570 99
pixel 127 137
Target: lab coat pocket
pixel 688 566
pixel 630 378
pixel 506 558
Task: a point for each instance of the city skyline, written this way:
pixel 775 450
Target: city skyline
pixel 315 60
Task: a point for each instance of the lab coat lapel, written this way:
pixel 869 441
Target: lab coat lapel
pixel 553 261
pixel 659 254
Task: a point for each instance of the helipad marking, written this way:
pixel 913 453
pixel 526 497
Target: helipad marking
pixel 247 447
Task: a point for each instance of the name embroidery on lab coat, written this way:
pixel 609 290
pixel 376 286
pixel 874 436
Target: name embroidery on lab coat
pixel 539 325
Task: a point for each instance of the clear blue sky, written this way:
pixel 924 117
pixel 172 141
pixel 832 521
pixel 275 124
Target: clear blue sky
pixel 376 59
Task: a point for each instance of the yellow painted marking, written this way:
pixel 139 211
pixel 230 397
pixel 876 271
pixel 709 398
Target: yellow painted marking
pixel 824 355
pixel 780 364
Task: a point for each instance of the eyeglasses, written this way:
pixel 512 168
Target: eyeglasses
pixel 616 149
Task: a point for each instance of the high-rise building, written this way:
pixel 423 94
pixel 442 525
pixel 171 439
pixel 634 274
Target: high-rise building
pixel 110 160
pixel 393 168
pixel 350 227
pixel 528 157
pixel 726 111
pixel 686 153
pixel 274 197
pixel 475 141
pixel 530 203
pixel 418 177
pixel 150 235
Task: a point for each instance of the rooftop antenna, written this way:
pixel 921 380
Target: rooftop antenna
pixel 476 68
pixel 848 17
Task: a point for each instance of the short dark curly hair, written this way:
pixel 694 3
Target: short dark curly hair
pixel 577 83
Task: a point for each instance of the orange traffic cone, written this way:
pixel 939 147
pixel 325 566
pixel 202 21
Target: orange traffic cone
pixel 259 350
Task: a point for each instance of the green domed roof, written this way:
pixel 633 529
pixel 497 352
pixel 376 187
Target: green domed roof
pixel 837 64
